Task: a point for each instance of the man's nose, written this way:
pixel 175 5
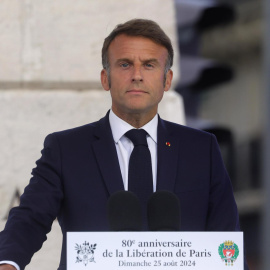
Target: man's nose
pixel 137 74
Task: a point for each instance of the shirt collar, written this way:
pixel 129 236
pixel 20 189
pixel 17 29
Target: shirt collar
pixel 119 127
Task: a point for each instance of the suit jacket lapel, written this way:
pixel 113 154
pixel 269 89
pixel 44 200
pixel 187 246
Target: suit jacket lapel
pixel 167 157
pixel 106 155
pixel 105 151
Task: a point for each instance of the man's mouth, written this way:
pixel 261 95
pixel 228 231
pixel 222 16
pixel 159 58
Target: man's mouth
pixel 135 91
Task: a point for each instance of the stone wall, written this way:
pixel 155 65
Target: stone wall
pixel 55 44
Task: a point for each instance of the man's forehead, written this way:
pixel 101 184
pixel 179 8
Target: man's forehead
pixel 124 37
pixel 125 44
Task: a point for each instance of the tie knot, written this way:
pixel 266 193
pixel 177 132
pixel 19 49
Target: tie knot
pixel 137 136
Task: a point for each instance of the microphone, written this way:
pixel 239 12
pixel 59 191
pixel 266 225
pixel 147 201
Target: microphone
pixel 163 212
pixel 124 212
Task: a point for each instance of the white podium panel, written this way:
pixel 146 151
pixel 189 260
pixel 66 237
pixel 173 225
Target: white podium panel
pixel 155 250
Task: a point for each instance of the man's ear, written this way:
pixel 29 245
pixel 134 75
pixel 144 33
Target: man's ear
pixel 168 82
pixel 104 80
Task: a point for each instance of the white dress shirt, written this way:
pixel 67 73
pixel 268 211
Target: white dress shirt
pixel 11 263
pixel 124 146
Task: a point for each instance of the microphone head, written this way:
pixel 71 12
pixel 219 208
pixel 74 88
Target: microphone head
pixel 124 212
pixel 163 211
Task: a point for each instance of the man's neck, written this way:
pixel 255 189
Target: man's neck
pixel 137 120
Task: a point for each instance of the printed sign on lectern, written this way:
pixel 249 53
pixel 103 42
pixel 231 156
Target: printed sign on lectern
pixel 155 250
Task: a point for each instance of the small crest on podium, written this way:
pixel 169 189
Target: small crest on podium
pixel 228 252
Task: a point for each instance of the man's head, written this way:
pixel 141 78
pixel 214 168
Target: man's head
pixel 137 57
pixel 139 28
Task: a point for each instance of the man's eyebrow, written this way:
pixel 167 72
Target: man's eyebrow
pixel 123 60
pixel 153 60
pixel 143 61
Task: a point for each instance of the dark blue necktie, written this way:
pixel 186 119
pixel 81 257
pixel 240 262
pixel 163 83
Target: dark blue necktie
pixel 140 179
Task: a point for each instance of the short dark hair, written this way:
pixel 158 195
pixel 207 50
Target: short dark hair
pixel 139 27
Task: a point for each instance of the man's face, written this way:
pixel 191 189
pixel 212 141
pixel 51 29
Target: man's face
pixel 136 75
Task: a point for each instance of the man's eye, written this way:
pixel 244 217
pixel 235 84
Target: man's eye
pixel 125 65
pixel 149 65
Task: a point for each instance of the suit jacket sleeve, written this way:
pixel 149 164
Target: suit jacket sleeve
pixel 28 224
pixel 222 210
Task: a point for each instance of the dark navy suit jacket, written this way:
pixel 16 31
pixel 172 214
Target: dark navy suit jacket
pixel 79 170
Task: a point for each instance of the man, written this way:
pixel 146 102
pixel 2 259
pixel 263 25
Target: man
pixel 80 168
